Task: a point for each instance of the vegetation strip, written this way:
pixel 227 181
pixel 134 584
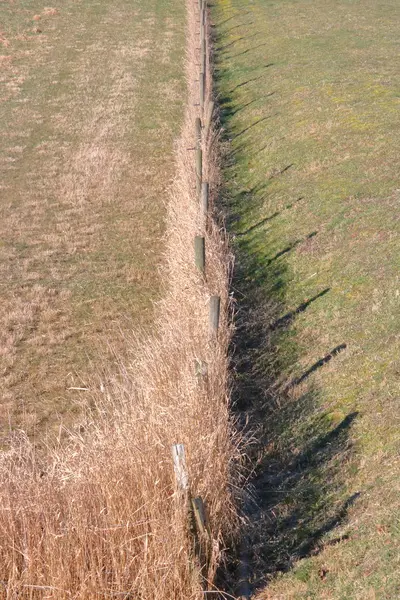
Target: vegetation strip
pixel 102 517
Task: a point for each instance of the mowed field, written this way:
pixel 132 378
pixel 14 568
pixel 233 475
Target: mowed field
pixel 310 107
pixel 92 94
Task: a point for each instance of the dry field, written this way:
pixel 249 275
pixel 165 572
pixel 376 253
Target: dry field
pixel 92 94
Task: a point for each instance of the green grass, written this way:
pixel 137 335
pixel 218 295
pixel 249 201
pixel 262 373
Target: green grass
pixel 91 103
pixel 310 105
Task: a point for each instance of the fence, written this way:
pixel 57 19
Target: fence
pixel 198 520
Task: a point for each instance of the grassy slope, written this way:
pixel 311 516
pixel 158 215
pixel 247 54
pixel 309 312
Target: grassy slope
pixel 310 101
pixel 91 102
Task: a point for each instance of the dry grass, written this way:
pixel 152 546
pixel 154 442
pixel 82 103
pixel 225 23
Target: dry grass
pixel 100 517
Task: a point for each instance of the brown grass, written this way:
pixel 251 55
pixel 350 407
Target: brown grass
pixel 100 517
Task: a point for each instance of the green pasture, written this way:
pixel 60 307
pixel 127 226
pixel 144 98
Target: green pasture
pixel 309 94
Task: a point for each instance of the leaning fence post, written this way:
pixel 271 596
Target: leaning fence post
pixel 200 253
pixel 199 169
pixel 215 307
pixel 200 516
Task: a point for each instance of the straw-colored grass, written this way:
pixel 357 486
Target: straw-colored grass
pixel 99 517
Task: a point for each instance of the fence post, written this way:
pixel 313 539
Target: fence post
pixel 202 89
pixel 200 253
pixel 181 473
pixel 199 169
pixel 215 307
pixel 203 55
pixel 200 516
pixel 198 132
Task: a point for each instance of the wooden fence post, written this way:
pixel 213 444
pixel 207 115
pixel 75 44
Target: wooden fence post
pixel 200 516
pixel 202 89
pixel 215 308
pixel 203 536
pixel 203 55
pixel 182 480
pixel 181 474
pixel 198 132
pixel 200 253
pixel 199 170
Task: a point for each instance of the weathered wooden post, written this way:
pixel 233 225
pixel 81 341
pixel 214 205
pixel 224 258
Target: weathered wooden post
pixel 199 170
pixel 181 473
pixel 204 8
pixel 198 132
pixel 202 89
pixel 215 307
pixel 203 537
pixel 200 253
pixel 200 516
pixel 202 59
pixel 203 55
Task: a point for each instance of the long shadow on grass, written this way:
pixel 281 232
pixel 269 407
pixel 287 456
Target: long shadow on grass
pixel 298 450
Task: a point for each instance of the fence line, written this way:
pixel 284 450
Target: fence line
pixel 199 524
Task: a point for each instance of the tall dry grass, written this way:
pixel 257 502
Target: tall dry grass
pixel 99 516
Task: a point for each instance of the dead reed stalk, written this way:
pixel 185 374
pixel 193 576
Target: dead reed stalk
pixel 99 517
